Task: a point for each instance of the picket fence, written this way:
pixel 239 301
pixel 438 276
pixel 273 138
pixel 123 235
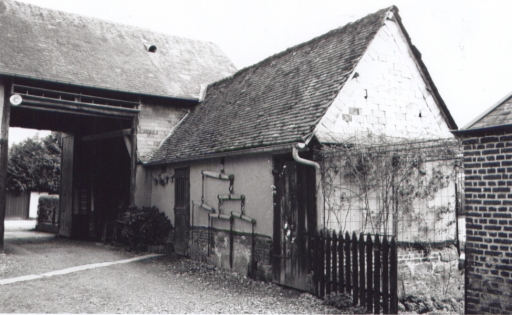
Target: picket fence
pixel 365 267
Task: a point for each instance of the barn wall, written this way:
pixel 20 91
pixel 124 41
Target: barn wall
pixel 254 179
pixel 388 95
pixel 155 123
pixel 430 218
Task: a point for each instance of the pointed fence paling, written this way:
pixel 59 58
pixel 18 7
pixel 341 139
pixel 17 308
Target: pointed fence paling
pixel 365 267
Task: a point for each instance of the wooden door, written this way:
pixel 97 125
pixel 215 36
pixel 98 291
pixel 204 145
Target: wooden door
pixel 181 211
pixel 294 217
pixel 66 187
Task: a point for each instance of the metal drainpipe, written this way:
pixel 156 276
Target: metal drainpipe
pixel 300 160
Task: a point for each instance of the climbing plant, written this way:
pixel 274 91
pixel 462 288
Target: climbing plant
pixel 378 184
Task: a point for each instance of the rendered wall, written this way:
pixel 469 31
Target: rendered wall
pixel 254 179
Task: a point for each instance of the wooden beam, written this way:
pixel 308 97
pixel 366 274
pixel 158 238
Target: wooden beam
pixel 128 145
pixel 133 156
pixel 5 111
pixel 108 135
pixel 76 107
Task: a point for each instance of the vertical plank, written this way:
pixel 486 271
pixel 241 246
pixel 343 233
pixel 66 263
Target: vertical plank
pixel 341 247
pixel 133 159
pixel 321 273
pixel 355 279
pixel 377 274
pixel 362 291
pixel 347 263
pixel 316 262
pixel 327 263
pixel 334 262
pixel 385 275
pixel 5 114
pixel 393 276
pixel 369 275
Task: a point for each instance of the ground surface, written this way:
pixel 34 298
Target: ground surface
pixel 168 284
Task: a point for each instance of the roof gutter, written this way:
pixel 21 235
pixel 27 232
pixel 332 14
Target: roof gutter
pixel 463 132
pixel 298 159
pixel 282 148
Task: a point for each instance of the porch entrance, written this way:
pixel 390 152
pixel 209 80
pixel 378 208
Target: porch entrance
pixel 294 222
pixel 98 156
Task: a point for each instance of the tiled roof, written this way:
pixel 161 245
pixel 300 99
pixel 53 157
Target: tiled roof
pixel 498 115
pixel 57 46
pixel 277 101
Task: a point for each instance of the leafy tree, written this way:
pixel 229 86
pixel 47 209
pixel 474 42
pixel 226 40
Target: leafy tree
pixel 34 164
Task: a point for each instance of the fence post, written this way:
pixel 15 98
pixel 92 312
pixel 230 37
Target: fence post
pixel 341 265
pixel 355 292
pixel 334 263
pixel 327 263
pixel 385 275
pixel 393 276
pixel 369 278
pixel 347 262
pixel 362 292
pixel 376 284
pixel 321 265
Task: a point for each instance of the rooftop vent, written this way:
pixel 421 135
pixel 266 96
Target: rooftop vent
pixel 150 48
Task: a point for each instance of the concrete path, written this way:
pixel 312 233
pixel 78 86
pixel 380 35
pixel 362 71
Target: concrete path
pixel 75 269
pixel 18 231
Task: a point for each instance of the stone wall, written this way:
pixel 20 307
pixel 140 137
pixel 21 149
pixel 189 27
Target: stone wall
pixel 220 251
pixel 488 205
pixel 430 276
pixel 155 123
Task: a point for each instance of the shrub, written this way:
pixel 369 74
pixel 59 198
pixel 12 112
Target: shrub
pixel 46 208
pixel 145 226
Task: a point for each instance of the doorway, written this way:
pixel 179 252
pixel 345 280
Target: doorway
pixel 294 221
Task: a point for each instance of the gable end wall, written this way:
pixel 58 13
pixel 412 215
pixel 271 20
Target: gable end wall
pixel 387 95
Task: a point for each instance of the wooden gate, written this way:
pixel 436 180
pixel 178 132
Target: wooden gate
pixel 181 210
pixel 17 205
pixel 66 187
pixel 294 218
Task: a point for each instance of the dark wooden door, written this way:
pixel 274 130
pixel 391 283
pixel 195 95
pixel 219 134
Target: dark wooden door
pixel 181 211
pixel 294 218
pixel 66 187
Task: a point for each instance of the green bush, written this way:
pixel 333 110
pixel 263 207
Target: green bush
pixel 46 206
pixel 146 226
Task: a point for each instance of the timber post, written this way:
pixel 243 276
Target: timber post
pixel 133 162
pixel 5 110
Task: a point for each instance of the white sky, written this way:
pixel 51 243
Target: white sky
pixel 466 45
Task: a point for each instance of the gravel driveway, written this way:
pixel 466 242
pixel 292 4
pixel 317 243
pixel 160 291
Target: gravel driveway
pixel 167 284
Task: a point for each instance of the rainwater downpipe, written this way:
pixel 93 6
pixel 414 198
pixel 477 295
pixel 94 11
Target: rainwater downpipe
pixel 298 159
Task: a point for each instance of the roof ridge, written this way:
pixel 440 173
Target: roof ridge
pixel 86 17
pixel 298 46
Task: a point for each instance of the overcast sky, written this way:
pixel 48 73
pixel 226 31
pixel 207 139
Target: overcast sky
pixel 466 45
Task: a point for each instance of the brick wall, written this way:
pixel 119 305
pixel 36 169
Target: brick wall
pixel 488 205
